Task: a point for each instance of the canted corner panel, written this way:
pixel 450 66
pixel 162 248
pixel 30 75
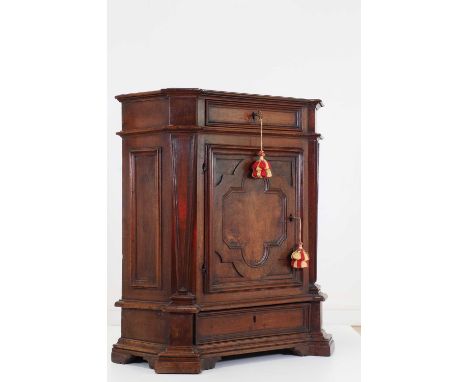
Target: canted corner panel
pixel 145 235
pixel 249 236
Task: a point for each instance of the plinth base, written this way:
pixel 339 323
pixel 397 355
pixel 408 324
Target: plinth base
pixel 193 360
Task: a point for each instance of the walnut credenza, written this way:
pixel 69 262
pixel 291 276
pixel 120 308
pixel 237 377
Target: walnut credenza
pixel 206 248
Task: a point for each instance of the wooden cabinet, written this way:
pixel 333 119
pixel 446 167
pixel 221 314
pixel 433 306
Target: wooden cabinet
pixel 206 247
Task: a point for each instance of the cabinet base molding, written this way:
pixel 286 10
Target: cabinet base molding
pixel 193 360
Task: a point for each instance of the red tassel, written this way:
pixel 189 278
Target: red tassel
pixel 261 167
pixel 299 258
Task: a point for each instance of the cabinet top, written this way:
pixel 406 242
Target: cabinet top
pixel 195 92
pixel 216 111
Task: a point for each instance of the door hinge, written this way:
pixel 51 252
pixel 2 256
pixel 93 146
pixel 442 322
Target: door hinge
pixel 204 167
pixel 203 269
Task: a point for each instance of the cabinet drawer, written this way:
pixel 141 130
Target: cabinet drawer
pixel 244 323
pixel 240 114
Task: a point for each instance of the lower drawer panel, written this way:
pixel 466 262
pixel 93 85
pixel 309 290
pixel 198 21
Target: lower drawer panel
pixel 252 322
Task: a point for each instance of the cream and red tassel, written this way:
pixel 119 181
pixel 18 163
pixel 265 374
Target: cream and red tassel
pixel 261 168
pixel 299 258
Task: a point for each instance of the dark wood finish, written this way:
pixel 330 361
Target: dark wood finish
pixel 206 269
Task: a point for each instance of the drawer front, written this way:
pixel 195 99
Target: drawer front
pixel 245 323
pixel 240 114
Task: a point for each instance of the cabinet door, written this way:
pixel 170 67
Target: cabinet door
pixel 249 236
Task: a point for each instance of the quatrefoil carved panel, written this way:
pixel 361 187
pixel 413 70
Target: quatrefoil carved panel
pixel 254 221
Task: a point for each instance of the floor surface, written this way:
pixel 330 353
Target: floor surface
pixel 343 365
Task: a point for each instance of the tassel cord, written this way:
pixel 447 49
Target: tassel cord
pixel 300 230
pixel 261 134
pixel 300 227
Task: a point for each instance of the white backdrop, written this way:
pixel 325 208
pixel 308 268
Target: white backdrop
pixel 296 48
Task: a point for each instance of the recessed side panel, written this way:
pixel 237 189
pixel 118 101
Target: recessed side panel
pixel 146 218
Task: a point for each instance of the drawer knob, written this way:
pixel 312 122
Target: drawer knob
pixel 254 318
pixel 257 114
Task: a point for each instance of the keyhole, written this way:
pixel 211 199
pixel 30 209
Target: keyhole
pixel 254 319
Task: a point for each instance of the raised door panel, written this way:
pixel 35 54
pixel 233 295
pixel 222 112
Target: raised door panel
pixel 249 236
